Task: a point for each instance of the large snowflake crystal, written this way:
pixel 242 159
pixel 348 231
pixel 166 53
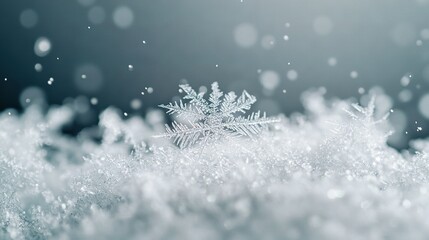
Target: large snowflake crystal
pixel 215 118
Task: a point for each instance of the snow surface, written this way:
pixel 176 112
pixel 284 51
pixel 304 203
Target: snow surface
pixel 325 174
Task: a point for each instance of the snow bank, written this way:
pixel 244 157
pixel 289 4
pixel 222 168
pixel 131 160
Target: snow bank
pixel 327 174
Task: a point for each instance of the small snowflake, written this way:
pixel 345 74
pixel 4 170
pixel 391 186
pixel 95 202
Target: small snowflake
pixel 215 118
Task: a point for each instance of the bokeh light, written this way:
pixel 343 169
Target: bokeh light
pixel 269 80
pixel 292 75
pixel 42 46
pixel 245 35
pixel 323 25
pixel 29 18
pixel 123 17
pixel 424 106
pixel 404 34
pixel 32 96
pixel 96 15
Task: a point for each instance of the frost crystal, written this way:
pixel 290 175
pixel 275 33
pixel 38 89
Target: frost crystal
pixel 212 119
pixel 367 112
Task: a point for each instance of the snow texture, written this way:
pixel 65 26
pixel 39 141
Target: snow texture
pixel 327 174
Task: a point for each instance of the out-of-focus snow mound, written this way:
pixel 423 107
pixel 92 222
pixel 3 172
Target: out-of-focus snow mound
pixel 328 174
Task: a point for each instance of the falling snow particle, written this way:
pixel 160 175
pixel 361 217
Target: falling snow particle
pixel 323 25
pixel 97 15
pixel 424 106
pixel 269 80
pixel 42 46
pixel 292 75
pixel 38 67
pixel 245 35
pixel 268 42
pixel 354 74
pixel 123 17
pixel 136 104
pixel 29 18
pixel 405 81
pixel 332 61
pixel 94 101
pixel 203 89
pixel 405 95
pixel 424 33
pixel 404 34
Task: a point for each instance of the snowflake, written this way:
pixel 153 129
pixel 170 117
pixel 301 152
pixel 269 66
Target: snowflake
pixel 215 118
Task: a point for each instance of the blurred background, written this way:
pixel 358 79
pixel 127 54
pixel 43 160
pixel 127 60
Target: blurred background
pixel 132 54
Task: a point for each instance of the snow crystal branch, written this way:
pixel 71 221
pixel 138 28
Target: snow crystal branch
pixel 367 112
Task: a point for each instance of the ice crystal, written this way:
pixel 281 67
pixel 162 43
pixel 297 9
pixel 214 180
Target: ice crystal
pixel 367 113
pixel 214 118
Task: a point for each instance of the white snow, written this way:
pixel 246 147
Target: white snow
pixel 325 174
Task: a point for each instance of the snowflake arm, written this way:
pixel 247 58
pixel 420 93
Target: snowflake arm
pixel 230 105
pixel 250 126
pixel 183 109
pixel 196 98
pixel 215 97
pixel 184 135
